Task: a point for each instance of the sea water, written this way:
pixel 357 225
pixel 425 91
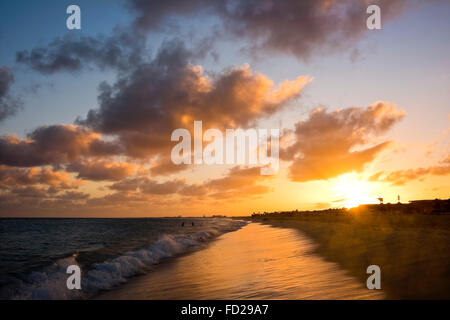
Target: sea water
pixel 35 253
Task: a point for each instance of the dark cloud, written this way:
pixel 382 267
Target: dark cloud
pixel 301 28
pixel 139 112
pixel 304 28
pixel 122 51
pixel 138 193
pixel 130 184
pixel 148 186
pixel 239 181
pixel 99 170
pixel 328 144
pixel 154 95
pixel 164 166
pixel 73 195
pixel 161 188
pixel 26 190
pixel 32 201
pixel 124 199
pixel 9 105
pixel 236 179
pixel 143 108
pixel 10 177
pixel 6 80
pixel 29 192
pixel 154 14
pixel 56 144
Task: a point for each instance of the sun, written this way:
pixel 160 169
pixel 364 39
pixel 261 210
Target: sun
pixel 351 192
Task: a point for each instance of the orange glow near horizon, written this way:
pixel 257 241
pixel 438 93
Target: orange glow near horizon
pixel 352 192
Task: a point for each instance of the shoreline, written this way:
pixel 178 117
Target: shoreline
pixel 414 255
pixel 255 262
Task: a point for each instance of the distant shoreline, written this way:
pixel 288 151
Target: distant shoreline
pixel 187 217
pixel 433 207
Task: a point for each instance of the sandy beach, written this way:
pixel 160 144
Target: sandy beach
pixel 413 251
pixel 255 262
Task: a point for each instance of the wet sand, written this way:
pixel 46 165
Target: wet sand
pixel 256 262
pixel 413 251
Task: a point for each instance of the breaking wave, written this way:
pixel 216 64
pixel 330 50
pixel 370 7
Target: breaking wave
pixel 50 282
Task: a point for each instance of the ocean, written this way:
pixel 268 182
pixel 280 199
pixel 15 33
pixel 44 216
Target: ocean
pixel 35 253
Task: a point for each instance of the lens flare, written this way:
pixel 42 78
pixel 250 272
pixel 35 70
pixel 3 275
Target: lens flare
pixel 351 192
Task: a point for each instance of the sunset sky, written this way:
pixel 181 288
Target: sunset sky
pixel 86 115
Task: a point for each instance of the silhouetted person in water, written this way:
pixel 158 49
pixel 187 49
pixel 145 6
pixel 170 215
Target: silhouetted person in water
pixel 182 224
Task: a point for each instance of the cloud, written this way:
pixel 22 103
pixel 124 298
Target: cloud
pixel 124 199
pixel 401 177
pixel 328 144
pixel 133 193
pixel 99 170
pixel 302 28
pixel 154 14
pixel 148 186
pixel 237 178
pixel 73 195
pixel 143 108
pixel 21 192
pixel 10 177
pixel 31 201
pixel 161 188
pixel 55 144
pixel 239 181
pixel 153 95
pixel 164 166
pixel 135 119
pixel 9 105
pixel 122 51
pixel 26 190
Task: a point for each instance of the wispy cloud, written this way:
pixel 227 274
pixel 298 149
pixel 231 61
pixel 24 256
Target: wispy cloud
pixel 401 177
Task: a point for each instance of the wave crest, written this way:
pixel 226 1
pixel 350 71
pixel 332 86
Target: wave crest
pixel 50 283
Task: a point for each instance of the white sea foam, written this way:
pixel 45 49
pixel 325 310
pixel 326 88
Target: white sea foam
pixel 50 283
